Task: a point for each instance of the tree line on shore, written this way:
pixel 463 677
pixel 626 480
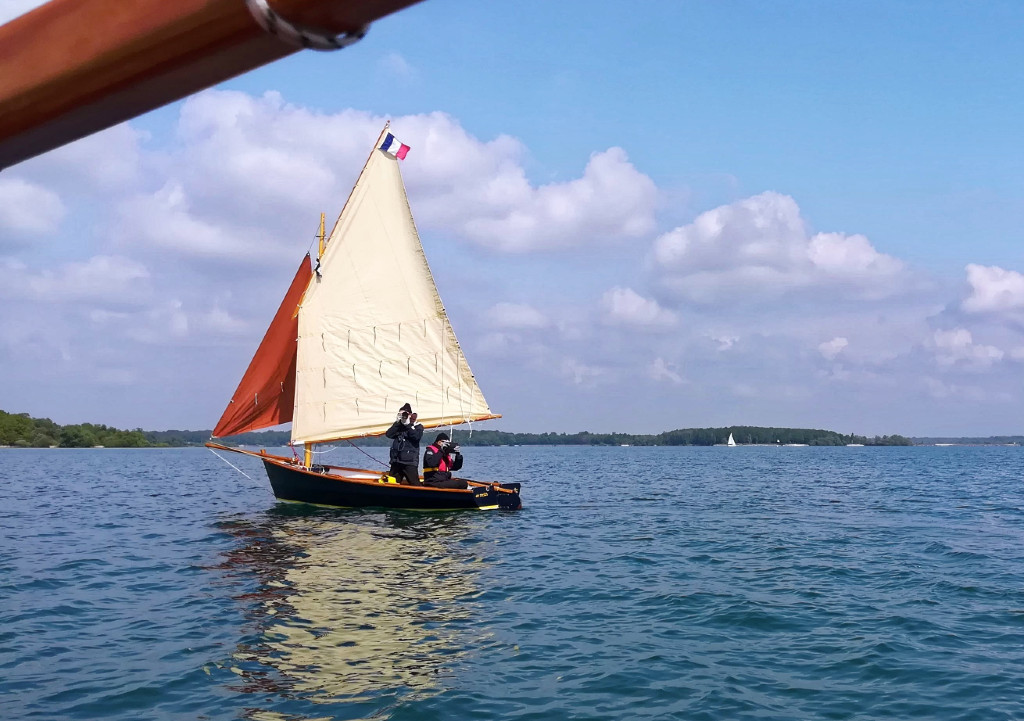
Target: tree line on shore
pixel 20 429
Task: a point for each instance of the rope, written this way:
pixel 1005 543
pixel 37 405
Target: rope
pixel 365 453
pixel 276 25
pixel 444 337
pixel 230 464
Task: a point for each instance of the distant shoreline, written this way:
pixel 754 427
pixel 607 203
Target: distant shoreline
pixel 23 430
pixel 20 430
pixel 550 445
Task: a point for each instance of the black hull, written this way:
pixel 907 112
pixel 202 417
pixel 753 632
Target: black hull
pixel 294 483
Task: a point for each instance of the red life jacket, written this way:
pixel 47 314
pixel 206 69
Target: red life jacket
pixel 442 464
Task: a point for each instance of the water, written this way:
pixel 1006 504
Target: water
pixel 637 583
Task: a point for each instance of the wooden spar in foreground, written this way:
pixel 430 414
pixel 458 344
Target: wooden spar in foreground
pixel 72 67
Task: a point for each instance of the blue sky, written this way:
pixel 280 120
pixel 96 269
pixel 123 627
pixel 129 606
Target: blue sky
pixel 798 214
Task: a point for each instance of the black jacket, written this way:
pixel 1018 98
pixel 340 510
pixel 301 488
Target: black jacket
pixel 405 444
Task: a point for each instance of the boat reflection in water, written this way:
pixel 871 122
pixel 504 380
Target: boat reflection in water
pixel 353 607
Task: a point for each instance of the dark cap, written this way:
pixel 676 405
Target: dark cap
pixel 441 437
pixel 407 408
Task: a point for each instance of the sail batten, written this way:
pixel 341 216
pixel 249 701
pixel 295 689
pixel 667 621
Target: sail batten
pixel 372 330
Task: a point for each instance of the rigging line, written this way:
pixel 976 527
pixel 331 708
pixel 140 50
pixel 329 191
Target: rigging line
pixel 365 453
pixel 472 396
pixel 309 249
pixel 444 337
pixel 231 464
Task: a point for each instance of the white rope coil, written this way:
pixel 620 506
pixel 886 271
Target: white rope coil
pixel 276 25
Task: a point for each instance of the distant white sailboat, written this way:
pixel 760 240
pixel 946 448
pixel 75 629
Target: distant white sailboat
pixel 731 441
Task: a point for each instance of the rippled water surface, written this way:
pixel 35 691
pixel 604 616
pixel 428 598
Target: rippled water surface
pixel 637 583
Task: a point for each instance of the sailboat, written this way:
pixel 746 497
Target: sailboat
pixel 731 441
pixel 358 335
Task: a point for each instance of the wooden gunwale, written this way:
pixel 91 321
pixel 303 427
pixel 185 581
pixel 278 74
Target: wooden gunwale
pixel 296 466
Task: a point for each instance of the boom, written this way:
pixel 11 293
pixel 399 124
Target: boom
pixel 72 67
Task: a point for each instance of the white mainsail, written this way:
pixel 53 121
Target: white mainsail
pixel 373 333
pixel 731 441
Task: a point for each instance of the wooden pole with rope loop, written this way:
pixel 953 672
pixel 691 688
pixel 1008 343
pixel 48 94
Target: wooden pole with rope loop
pixel 70 68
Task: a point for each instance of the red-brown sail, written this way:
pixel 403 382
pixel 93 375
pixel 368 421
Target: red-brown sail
pixel 266 394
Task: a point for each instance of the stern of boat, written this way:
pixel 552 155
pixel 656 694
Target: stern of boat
pixel 497 496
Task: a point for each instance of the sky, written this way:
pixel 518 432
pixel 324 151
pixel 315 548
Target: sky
pixel 640 217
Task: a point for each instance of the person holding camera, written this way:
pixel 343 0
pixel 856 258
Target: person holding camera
pixel 405 434
pixel 440 459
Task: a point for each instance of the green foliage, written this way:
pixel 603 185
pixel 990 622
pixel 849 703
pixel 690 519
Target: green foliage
pixel 890 441
pixel 19 429
pixel 743 435
pixel 87 435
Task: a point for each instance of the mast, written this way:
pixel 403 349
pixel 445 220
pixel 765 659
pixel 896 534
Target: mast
pixel 307 448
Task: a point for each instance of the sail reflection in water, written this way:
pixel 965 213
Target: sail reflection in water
pixel 354 609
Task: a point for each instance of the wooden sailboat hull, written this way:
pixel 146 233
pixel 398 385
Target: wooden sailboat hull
pixel 296 483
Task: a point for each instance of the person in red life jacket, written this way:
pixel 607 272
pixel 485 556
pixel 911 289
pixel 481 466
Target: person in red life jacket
pixel 440 459
pixel 405 434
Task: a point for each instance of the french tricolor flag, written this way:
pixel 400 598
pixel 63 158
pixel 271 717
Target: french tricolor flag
pixel 392 146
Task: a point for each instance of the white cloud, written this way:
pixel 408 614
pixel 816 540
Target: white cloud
pixel 660 370
pixel 166 220
pixel 760 247
pixel 110 160
pixel 160 323
pixel 832 348
pixel 957 346
pixel 28 212
pixel 624 306
pixel 582 374
pixel 516 316
pixel 219 320
pixel 611 202
pixel 253 172
pixel 961 392
pixel 100 279
pixel 993 290
pixel 850 256
pixel 395 64
pixel 725 342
